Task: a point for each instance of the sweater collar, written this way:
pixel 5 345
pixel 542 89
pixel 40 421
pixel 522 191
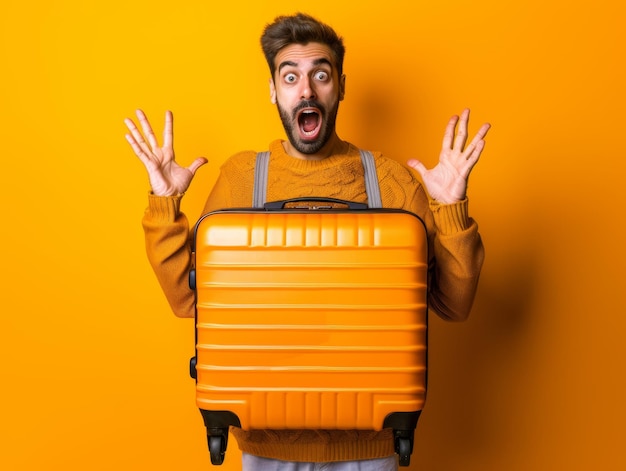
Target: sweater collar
pixel 278 154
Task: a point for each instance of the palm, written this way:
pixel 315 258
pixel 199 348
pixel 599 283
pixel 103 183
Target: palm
pixel 166 176
pixel 444 182
pixel 447 181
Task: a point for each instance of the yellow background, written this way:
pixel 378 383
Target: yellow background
pixel 94 366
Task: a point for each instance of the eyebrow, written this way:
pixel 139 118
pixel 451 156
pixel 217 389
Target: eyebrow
pixel 321 60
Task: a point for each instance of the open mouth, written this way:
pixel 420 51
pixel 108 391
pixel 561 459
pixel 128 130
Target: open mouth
pixel 309 123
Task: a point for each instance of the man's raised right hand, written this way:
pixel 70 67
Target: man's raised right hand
pixel 167 178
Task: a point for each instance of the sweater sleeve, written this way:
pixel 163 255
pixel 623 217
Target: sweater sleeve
pixel 168 248
pixel 168 243
pixel 455 266
pixel 456 251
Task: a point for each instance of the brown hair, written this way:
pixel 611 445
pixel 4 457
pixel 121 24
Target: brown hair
pixel 300 29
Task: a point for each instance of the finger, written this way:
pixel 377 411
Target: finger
pixel 464 166
pixel 133 143
pixel 139 152
pixel 196 164
pixel 473 157
pixel 461 133
pixel 136 136
pixel 477 151
pixel 448 135
pixel 480 135
pixel 418 166
pixel 130 124
pixel 484 129
pixel 147 129
pixel 168 131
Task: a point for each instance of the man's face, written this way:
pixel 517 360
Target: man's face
pixel 307 89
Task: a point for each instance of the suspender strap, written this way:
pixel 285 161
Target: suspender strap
pixel 260 179
pixel 371 180
pixel 369 166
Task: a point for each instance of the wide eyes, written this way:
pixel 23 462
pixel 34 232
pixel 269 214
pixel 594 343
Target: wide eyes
pixel 319 76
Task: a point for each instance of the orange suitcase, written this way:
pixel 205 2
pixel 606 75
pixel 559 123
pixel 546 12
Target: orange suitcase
pixel 310 319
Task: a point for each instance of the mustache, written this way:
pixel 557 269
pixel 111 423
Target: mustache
pixel 308 104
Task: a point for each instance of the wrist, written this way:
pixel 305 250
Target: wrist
pixel 450 218
pixel 165 194
pixel 164 208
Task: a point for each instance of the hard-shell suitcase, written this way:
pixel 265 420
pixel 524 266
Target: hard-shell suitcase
pixel 310 319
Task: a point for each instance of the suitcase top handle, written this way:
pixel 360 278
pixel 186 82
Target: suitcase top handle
pixel 369 166
pixel 321 203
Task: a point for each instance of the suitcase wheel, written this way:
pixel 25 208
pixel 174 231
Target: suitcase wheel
pixel 403 425
pixel 404 451
pixel 217 449
pixel 217 424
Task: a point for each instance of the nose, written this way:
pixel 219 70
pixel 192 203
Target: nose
pixel 308 91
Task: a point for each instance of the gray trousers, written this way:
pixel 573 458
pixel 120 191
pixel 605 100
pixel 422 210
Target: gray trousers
pixel 254 463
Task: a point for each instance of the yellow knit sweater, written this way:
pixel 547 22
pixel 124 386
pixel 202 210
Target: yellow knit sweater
pixel 455 248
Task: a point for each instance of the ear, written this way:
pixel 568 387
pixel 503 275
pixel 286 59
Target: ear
pixel 272 92
pixel 342 87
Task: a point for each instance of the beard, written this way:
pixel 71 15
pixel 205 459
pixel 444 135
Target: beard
pixel 290 123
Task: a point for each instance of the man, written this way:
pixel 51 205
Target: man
pixel 307 84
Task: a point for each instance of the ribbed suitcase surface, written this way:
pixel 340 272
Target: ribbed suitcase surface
pixel 311 319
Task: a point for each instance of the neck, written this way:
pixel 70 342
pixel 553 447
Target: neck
pixel 334 146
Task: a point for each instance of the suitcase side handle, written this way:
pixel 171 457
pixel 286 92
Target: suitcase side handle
pixel 324 203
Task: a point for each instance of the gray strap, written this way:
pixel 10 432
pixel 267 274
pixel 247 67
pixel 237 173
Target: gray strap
pixel 371 180
pixel 261 168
